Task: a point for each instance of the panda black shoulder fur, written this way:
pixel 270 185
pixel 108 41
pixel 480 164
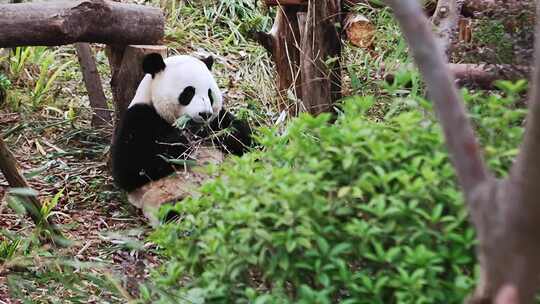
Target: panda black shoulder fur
pixel 173 87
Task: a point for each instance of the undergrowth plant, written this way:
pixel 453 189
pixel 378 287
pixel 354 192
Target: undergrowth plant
pixel 36 68
pixel 358 211
pixel 5 85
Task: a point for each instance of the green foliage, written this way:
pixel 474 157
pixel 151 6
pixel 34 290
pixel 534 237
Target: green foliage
pixel 229 12
pixel 5 84
pixel 63 279
pixel 364 67
pixel 499 123
pixel 8 249
pixel 356 212
pixel 36 70
pixel 492 33
pixel 46 78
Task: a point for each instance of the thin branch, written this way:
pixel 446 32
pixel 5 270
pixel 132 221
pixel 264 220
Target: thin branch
pixel 460 139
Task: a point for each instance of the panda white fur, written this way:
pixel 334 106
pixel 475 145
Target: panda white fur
pixel 146 138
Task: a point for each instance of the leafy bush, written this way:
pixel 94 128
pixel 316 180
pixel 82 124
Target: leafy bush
pixel 353 212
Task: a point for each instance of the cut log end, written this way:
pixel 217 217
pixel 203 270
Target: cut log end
pixel 360 31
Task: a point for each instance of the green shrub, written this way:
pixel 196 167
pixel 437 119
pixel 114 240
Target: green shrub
pixel 353 212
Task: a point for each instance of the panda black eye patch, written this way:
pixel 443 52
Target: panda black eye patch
pixel 186 95
pixel 211 96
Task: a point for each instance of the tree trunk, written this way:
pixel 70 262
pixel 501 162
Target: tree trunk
pixel 101 115
pixel 283 44
pixel 65 22
pixel 446 18
pixel 320 56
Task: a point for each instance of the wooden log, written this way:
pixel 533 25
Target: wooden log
pixel 127 73
pixel 320 56
pixel 283 44
pixel 360 31
pixel 285 2
pixel 346 3
pixel 8 167
pixel 65 22
pixel 175 187
pixel 478 75
pixel 101 115
pixel 485 75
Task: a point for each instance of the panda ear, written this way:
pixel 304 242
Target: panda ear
pixel 209 61
pixel 153 64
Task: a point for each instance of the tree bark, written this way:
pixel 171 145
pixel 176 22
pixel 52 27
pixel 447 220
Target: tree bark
pixel 283 44
pixel 446 19
pixel 65 22
pixel 101 115
pixel 320 56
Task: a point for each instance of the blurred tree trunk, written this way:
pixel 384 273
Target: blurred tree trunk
pixel 505 212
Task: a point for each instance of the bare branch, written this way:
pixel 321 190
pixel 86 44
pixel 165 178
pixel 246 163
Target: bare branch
pixel 460 138
pixel 446 18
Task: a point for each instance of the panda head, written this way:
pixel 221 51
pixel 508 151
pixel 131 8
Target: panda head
pixel 180 85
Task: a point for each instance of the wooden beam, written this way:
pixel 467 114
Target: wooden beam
pixel 285 2
pixel 348 3
pixel 66 22
pixel 101 115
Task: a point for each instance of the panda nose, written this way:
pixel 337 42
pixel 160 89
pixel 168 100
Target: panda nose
pixel 205 115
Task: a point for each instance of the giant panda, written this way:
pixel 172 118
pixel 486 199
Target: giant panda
pixel 147 139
